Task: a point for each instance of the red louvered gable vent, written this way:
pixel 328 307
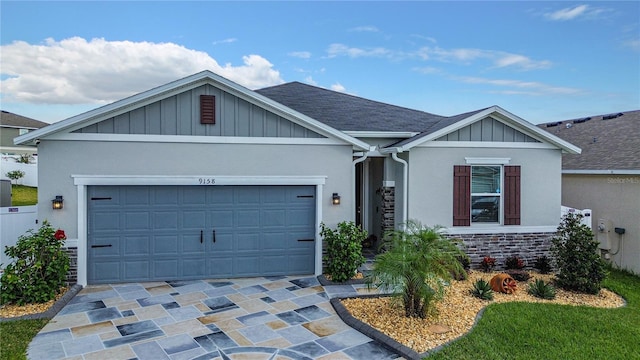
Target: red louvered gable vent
pixel 207 109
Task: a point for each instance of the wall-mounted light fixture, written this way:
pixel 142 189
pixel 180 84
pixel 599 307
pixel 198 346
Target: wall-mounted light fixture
pixel 335 199
pixel 57 203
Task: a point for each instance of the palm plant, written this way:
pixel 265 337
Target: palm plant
pixel 417 262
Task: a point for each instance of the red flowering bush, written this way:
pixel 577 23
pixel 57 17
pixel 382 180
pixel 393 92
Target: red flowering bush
pixel 488 263
pixel 38 269
pixel 59 235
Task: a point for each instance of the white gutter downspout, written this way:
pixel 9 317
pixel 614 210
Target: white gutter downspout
pixel 405 183
pixel 353 177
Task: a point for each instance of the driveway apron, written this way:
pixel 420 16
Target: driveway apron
pixel 255 318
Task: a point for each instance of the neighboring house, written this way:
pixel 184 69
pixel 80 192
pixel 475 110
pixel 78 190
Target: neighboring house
pixel 203 178
pixel 606 179
pixel 13 125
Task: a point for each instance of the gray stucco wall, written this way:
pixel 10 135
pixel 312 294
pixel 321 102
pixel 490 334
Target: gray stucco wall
pixel 431 182
pixel 58 160
pixel 615 199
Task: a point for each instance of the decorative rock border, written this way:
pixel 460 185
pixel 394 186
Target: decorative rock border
pixel 53 310
pixel 386 341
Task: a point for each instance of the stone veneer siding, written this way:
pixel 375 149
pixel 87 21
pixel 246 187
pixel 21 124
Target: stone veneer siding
pixel 388 209
pixel 72 275
pixel 528 246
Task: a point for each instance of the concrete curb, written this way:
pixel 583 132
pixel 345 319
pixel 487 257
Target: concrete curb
pixel 53 310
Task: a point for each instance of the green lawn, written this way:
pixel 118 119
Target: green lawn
pixel 23 195
pixel 548 331
pixel 15 337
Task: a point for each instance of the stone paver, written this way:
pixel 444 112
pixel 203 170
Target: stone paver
pixel 253 318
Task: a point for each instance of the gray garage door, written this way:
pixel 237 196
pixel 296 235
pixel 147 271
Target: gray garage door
pixel 149 233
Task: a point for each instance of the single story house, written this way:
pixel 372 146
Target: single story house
pixel 204 178
pixel 606 179
pixel 13 125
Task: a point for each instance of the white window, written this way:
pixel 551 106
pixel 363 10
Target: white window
pixel 486 181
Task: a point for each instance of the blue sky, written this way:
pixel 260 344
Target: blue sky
pixel 543 61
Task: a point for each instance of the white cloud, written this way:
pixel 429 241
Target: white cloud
pixel 77 71
pixel 633 44
pixel 300 54
pixel 339 88
pixel 365 29
pixel 579 11
pixel 309 80
pixel 530 87
pixel 499 59
pixel 225 41
pixel 336 50
pixel 427 70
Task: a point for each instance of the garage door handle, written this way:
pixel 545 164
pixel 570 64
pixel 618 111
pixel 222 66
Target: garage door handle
pixel 201 236
pixel 100 246
pixel 306 239
pixel 214 236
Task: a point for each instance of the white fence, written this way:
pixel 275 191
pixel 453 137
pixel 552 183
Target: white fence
pixel 586 213
pixel 7 163
pixel 15 221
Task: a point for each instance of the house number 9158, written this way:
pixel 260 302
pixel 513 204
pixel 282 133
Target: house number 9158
pixel 206 181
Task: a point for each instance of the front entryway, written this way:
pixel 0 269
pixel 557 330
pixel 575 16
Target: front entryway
pixel 147 233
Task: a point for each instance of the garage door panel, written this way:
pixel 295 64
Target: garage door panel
pixel 135 195
pixel 273 218
pixel 247 218
pixel 136 221
pixel 106 220
pixel 166 196
pixel 220 267
pixel 247 242
pixel 155 232
pixel 166 269
pixel 136 270
pixel 166 245
pixel 136 245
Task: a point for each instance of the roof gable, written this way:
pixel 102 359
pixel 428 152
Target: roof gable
pixel 487 129
pixel 180 114
pixel 174 88
pixel 464 121
pixel 12 120
pixel 608 142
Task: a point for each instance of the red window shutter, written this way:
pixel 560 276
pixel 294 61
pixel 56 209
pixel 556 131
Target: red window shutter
pixel 207 109
pixel 461 195
pixel 511 194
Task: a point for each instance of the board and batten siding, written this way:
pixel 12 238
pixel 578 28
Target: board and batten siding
pixel 180 115
pixel 488 129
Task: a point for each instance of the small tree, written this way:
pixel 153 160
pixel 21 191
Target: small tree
pixel 24 159
pixel 39 269
pixel 580 267
pixel 344 250
pixel 15 175
pixel 417 262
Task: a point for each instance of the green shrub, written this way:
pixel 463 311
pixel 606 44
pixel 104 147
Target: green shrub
pixel 518 274
pixel 344 250
pixel 465 262
pixel 482 290
pixel 542 290
pixel 418 261
pixel 543 265
pixel 39 269
pixel 513 262
pixel 15 175
pixel 580 267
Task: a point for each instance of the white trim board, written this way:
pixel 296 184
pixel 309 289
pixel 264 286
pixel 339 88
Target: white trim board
pixel 194 139
pixel 507 229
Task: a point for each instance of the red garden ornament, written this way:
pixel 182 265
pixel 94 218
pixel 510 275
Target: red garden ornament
pixel 59 235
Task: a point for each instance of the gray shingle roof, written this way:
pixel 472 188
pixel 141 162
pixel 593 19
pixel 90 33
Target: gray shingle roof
pixel 609 144
pixel 347 112
pixel 17 121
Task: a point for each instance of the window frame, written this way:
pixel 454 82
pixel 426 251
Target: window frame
pixel 498 194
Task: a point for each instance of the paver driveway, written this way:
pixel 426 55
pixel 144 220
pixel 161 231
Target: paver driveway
pixel 255 318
